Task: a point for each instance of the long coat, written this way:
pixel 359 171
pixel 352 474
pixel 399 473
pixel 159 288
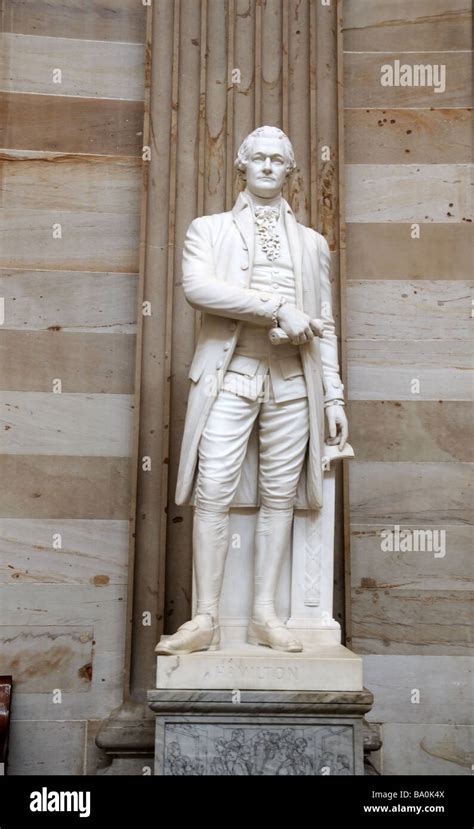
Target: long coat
pixel 217 270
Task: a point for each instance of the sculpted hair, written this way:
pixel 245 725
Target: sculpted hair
pixel 245 149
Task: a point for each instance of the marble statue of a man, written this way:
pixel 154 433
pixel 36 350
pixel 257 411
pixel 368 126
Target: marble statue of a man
pixel 249 271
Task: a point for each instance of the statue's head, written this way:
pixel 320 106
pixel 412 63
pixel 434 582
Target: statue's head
pixel 265 160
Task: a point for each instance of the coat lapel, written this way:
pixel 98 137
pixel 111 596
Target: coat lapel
pixel 243 218
pixel 296 251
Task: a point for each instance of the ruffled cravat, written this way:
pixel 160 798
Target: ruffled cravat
pixel 266 219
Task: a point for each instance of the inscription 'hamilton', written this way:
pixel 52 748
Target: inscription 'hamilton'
pixel 237 669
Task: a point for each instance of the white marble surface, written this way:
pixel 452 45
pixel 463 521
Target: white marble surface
pixel 245 667
pixel 305 591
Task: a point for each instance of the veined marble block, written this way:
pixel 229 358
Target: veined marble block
pixel 254 733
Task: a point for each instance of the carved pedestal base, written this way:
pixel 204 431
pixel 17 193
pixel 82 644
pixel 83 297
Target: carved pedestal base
pixel 258 733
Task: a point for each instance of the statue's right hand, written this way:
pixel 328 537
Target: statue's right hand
pixel 296 324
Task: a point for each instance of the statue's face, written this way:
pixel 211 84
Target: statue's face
pixel 266 168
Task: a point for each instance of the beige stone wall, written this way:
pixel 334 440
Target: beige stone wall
pixel 71 168
pixel 408 313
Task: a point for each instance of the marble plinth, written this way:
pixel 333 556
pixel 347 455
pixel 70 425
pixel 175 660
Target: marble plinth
pixel 251 667
pixel 259 733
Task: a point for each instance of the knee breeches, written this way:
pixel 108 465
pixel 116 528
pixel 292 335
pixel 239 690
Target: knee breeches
pixel 283 431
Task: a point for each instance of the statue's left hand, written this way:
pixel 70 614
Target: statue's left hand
pixel 338 426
